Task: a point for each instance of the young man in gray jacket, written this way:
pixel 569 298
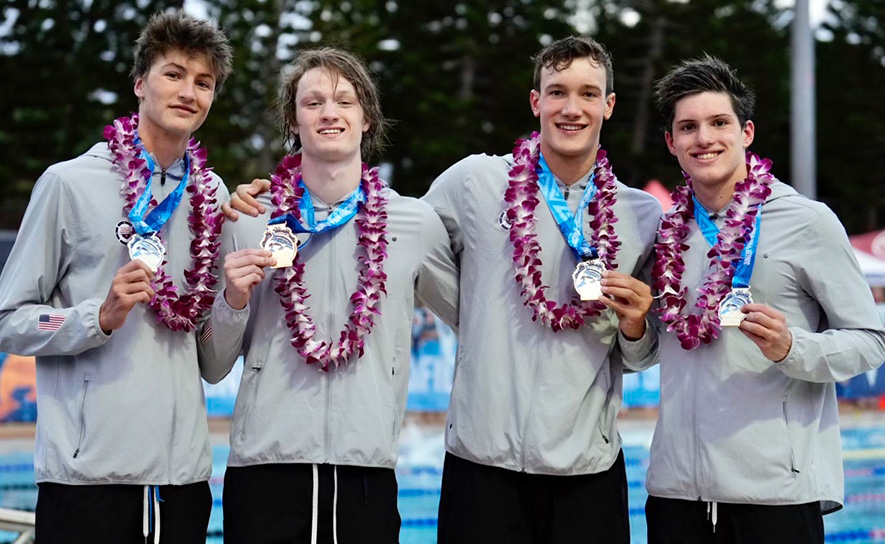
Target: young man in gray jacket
pixel 315 431
pixel 122 439
pixel 765 308
pixel 533 452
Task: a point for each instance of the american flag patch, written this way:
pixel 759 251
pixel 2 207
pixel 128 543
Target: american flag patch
pixel 50 322
pixel 207 332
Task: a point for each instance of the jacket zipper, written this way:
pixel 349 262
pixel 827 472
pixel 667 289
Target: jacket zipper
pixel 81 430
pixel 333 243
pixel 171 452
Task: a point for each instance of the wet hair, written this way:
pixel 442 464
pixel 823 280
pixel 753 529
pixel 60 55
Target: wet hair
pixel 700 75
pixel 174 30
pixel 339 63
pixel 560 54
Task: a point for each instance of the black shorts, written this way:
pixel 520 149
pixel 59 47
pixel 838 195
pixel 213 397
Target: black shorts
pixel 114 514
pixel 482 504
pixel 674 521
pixel 266 504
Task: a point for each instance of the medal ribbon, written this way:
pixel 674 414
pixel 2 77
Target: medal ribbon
pixel 744 269
pixel 571 225
pixel 158 217
pixel 340 216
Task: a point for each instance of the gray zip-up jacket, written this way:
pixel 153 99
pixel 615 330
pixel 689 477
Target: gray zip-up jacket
pixel 125 408
pixel 735 427
pixel 289 412
pixel 526 398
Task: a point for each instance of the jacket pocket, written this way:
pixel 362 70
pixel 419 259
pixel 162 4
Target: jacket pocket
pixel 81 425
pixel 789 436
pixel 603 422
pixel 249 391
pixel 399 367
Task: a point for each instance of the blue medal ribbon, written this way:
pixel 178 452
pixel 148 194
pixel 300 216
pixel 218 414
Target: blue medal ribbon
pixel 340 216
pixel 744 269
pixel 158 217
pixel 571 225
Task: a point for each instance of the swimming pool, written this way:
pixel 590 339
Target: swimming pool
pixel 419 472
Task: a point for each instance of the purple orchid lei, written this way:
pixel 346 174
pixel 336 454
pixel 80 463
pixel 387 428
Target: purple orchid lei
pixel 703 327
pixel 178 313
pixel 371 220
pixel 521 198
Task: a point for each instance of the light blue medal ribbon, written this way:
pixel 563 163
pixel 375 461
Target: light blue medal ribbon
pixel 340 216
pixel 744 268
pixel 571 225
pixel 158 217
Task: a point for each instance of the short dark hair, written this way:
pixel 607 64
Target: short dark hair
pixel 699 75
pixel 560 54
pixel 339 63
pixel 170 30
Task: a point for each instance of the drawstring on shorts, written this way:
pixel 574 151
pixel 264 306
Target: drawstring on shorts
pixel 150 510
pixel 316 504
pixel 712 512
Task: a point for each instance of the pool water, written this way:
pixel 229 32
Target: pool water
pixel 419 473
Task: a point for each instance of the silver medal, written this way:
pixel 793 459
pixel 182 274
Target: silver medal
pixel 281 242
pixel 147 249
pixel 124 231
pixel 587 278
pixel 730 314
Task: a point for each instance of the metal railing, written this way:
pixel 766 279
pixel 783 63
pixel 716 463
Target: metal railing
pixel 18 521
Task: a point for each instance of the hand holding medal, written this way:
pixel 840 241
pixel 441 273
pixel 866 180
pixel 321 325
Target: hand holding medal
pixel 631 300
pixel 131 285
pixel 768 329
pixel 243 271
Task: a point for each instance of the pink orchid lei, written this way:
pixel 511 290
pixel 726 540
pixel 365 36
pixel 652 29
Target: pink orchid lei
pixel 703 327
pixel 521 198
pixel 178 313
pixel 371 220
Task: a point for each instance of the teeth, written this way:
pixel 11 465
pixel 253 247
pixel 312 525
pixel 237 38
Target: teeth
pixel 706 155
pixel 570 127
pixel 331 131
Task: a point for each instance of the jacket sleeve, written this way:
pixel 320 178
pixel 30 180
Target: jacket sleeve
pixel 221 335
pixel 438 279
pixel 30 321
pixel 850 339
pixel 640 354
pixel 445 196
pixel 644 352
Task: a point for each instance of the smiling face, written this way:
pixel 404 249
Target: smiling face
pixel 175 96
pixel 329 117
pixel 708 140
pixel 572 106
